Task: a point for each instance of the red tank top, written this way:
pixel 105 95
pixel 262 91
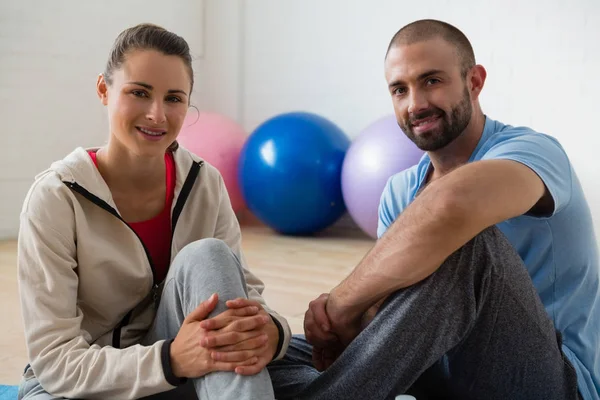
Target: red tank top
pixel 156 233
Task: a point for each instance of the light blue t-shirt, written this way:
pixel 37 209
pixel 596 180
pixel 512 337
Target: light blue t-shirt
pixel 560 251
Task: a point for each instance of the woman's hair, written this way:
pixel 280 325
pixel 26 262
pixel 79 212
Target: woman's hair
pixel 148 37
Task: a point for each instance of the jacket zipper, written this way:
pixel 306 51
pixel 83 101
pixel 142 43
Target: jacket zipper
pixel 185 191
pixel 183 195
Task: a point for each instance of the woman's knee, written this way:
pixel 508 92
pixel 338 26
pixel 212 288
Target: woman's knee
pixel 204 247
pixel 206 257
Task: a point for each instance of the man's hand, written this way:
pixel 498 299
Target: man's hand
pixel 316 323
pixel 236 339
pixel 368 315
pixel 346 323
pixel 318 332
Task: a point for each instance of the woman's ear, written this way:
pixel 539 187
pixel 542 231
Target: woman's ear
pixel 102 89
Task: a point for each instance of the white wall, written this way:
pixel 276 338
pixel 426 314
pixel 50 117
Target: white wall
pixel 257 58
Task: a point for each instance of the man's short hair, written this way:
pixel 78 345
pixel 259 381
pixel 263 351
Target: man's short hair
pixel 427 29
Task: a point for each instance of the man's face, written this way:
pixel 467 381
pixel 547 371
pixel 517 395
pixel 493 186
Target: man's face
pixel 431 98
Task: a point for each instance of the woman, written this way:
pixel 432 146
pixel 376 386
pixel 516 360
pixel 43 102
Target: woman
pixel 121 249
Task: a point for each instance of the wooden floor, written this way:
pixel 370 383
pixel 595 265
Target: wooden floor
pixel 295 271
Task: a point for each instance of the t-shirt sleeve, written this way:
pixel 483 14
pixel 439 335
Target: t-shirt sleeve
pixel 386 214
pixel 545 156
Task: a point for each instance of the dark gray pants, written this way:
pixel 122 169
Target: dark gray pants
pixel 475 329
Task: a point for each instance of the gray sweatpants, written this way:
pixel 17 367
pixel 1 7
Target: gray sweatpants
pixel 200 269
pixel 475 329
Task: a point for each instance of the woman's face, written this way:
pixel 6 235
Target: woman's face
pixel 147 101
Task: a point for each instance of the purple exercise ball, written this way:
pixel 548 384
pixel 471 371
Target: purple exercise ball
pixel 378 152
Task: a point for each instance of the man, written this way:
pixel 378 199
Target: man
pixel 484 283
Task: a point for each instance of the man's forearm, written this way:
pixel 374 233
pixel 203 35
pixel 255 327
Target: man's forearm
pixel 444 217
pixel 414 246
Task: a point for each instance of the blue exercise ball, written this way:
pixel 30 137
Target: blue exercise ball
pixel 290 172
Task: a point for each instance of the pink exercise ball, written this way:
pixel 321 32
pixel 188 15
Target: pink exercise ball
pixel 219 141
pixel 378 152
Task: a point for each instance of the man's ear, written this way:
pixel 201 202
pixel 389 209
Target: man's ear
pixel 102 89
pixel 477 80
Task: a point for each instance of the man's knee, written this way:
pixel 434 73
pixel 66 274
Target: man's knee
pixel 489 239
pixel 488 249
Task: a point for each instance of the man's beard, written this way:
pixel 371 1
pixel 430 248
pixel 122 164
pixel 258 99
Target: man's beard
pixel 451 126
